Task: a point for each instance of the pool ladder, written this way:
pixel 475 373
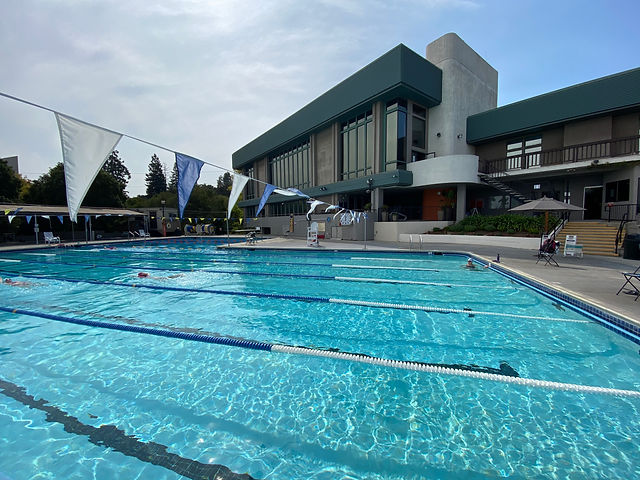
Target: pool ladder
pixel 418 243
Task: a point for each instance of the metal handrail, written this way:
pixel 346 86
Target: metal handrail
pixel 624 220
pixel 559 156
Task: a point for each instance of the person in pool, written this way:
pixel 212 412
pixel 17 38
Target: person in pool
pixel 146 275
pixel 15 283
pixel 470 265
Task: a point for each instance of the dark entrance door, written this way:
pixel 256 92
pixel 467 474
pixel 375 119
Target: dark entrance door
pixel 592 203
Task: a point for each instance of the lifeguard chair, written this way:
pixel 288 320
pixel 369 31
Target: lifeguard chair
pixel 312 235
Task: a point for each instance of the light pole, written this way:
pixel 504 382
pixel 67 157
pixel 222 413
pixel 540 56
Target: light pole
pixel 164 221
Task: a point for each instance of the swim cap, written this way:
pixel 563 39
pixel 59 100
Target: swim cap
pixel 143 274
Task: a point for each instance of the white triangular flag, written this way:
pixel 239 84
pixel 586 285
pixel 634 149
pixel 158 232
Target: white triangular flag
pixel 85 148
pixel 239 181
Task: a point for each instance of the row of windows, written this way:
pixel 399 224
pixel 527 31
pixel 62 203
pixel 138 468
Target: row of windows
pixel 292 168
pixel 357 146
pixel 251 185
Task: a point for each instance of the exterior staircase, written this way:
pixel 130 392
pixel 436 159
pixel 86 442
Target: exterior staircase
pixel 596 237
pixel 497 184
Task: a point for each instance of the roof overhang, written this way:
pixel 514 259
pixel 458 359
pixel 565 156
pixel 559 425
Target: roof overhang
pixel 26 209
pixel 394 178
pixel 398 73
pixel 604 95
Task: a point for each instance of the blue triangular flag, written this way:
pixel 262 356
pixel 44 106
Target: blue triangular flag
pixel 61 218
pixel 86 218
pixel 268 190
pixel 188 174
pixel 28 218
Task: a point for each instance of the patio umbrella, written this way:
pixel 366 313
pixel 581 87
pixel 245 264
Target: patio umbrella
pixel 546 205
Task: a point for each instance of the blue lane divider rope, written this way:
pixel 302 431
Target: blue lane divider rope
pixel 354 357
pixel 251 344
pixel 303 298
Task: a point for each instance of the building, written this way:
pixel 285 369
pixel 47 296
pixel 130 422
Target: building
pixel 420 143
pixel 13 163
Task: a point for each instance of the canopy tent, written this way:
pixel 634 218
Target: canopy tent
pixel 28 210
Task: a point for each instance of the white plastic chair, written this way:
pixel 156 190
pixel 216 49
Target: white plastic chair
pixel 142 233
pixel 49 238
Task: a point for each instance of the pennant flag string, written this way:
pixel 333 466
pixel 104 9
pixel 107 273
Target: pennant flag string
pixel 188 174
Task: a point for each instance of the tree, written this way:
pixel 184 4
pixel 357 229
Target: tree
pixel 10 183
pixel 156 180
pixel 224 184
pixel 50 189
pixel 173 181
pixel 116 168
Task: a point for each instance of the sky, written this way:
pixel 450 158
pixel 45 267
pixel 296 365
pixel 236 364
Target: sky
pixel 205 77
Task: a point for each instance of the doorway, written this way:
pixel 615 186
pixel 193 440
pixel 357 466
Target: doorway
pixel 593 203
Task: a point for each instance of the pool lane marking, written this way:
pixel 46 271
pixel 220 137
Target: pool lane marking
pixel 284 275
pixel 381 267
pixel 354 357
pixel 13 260
pixel 116 439
pixel 305 298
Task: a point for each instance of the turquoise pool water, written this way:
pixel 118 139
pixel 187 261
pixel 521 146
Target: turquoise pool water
pixel 120 404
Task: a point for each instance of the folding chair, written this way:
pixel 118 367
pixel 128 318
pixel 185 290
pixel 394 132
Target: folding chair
pixel 547 251
pixel 629 277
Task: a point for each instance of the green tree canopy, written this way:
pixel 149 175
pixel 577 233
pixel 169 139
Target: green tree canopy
pixel 117 169
pixel 156 180
pixel 173 181
pixel 225 182
pixel 50 189
pixel 10 183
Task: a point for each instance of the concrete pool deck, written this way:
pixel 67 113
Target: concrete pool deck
pixel 593 279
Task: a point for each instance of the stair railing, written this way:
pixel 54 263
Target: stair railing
pixel 625 219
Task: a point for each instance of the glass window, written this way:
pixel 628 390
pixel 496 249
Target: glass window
pixel 396 135
pixel 292 167
pixel 251 186
pixel 357 154
pixel 617 191
pixel 418 128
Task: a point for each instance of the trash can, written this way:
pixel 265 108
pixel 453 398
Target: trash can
pixel 632 247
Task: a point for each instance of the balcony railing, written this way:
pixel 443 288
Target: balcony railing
pixel 560 156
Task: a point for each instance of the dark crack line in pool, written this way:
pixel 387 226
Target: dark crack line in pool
pixel 116 439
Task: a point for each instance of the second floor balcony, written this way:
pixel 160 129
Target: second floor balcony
pixel 566 155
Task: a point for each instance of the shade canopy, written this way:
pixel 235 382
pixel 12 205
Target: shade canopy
pixel 546 204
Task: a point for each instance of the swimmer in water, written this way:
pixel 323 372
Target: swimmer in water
pixel 146 275
pixel 15 283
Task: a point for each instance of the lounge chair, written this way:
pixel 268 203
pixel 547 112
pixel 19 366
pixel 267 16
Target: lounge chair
pixel 50 239
pixel 547 250
pixel 629 277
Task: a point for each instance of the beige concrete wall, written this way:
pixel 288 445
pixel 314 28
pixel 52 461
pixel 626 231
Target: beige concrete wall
pixel 625 125
pixel 496 241
pixel 324 156
pixel 552 139
pixel 469 85
pixel 586 131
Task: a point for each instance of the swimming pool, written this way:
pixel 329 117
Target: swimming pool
pixel 154 399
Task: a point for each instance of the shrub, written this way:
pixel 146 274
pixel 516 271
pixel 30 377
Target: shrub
pixel 469 228
pixel 503 223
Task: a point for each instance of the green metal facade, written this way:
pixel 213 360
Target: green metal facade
pixel 399 73
pixel 600 96
pixel 395 178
